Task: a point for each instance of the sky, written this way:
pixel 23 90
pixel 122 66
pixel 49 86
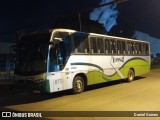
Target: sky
pixel 144 14
pixel 16 15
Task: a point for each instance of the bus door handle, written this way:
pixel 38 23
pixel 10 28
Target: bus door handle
pixel 53 74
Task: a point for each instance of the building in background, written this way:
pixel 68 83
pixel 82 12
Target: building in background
pixel 154 42
pixel 6 61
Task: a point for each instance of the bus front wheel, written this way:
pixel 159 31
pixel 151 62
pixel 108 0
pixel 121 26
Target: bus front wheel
pixel 131 75
pixel 78 85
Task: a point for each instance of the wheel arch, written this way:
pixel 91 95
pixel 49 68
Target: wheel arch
pixel 133 70
pixel 83 75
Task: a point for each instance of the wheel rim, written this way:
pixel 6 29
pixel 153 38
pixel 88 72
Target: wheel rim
pixel 131 76
pixel 78 85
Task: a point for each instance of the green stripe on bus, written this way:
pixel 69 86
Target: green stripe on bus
pixel 127 63
pixel 87 64
pixel 140 67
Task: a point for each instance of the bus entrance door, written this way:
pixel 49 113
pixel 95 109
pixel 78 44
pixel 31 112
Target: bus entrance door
pixel 56 81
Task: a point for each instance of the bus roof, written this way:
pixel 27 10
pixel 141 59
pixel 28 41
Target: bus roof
pixel 100 35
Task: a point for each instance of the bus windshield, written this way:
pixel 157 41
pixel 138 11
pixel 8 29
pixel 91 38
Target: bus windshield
pixel 32 54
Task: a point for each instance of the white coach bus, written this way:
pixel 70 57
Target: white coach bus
pixel 60 59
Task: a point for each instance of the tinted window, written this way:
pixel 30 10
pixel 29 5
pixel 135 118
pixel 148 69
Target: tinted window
pixel 100 45
pixel 113 46
pixel 93 42
pixel 81 43
pixel 123 47
pixel 119 47
pixel 140 48
pixel 130 48
pixel 107 46
pixel 145 49
pixel 137 49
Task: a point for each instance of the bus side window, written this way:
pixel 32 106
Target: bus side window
pixel 144 48
pixel 130 48
pixel 133 48
pixel 136 48
pixel 147 49
pixel 113 46
pixel 119 47
pixel 140 48
pixel 123 47
pixel 81 43
pixel 100 45
pixel 107 46
pixel 93 42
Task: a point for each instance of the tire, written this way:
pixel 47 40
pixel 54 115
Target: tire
pixel 78 85
pixel 131 75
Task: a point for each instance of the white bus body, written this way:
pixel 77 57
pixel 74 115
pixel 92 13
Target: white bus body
pixel 81 59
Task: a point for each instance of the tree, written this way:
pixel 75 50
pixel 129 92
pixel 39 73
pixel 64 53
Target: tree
pixel 124 28
pixel 158 55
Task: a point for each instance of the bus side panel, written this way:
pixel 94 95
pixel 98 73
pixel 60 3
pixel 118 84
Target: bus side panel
pixel 99 65
pixel 104 71
pixel 140 67
pixel 76 64
pixel 98 68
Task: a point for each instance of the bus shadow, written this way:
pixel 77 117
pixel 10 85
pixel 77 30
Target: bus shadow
pixel 24 97
pixel 139 78
pixel 102 85
pixel 110 83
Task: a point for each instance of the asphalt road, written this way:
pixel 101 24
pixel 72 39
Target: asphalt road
pixel 143 94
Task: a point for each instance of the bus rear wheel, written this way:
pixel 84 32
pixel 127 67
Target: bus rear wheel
pixel 131 75
pixel 78 85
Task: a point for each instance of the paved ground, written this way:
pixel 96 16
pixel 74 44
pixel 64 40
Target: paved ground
pixel 141 95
